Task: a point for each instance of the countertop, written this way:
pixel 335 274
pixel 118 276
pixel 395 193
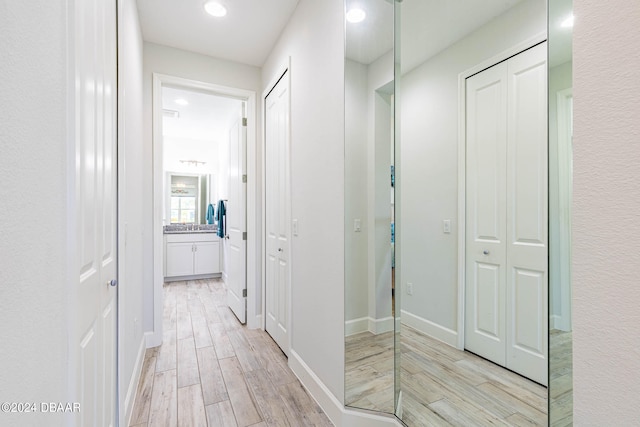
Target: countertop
pixel 190 228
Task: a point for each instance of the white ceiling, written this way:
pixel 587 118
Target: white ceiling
pixel 370 39
pixel 560 38
pixel 206 117
pixel 246 34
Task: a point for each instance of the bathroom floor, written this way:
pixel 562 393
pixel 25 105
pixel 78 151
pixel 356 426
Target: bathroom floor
pixel 211 370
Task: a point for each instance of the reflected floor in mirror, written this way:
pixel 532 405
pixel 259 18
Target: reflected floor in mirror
pixel 368 357
pixel 561 379
pixel 441 386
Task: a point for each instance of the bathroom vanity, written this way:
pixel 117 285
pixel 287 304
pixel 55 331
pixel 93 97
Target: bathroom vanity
pixel 191 252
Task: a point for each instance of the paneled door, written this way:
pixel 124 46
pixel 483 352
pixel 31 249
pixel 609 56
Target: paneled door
pixel 277 196
pixel 507 214
pixel 237 219
pixel 94 294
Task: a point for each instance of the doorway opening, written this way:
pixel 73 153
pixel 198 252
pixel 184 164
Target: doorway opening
pixel 204 217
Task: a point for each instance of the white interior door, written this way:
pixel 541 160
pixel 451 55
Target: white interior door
pixel 506 237
pixel 96 211
pixel 527 214
pixel 486 211
pixel 236 214
pixel 277 200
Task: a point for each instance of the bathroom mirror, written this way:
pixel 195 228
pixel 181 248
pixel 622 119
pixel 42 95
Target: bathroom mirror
pixel 477 280
pixel 188 196
pixel 369 205
pixel 560 200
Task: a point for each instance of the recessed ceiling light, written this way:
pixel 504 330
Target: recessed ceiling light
pixel 356 15
pixel 181 101
pixel 567 23
pixel 215 9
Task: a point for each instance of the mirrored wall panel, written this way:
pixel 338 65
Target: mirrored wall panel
pixel 369 205
pixel 560 190
pixel 458 197
pixel 473 225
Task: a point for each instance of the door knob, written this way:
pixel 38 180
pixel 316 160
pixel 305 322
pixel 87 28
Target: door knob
pixel 486 252
pixel 279 249
pixel 112 282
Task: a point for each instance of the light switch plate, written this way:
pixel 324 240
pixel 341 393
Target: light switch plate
pixel 446 226
pixel 357 225
pixel 295 227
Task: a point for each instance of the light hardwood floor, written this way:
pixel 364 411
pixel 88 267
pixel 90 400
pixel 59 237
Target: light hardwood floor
pixel 561 379
pixel 212 371
pixel 441 386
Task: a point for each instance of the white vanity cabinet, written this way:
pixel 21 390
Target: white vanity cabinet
pixel 191 254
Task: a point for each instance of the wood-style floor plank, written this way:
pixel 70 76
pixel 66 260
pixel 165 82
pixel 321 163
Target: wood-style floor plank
pixel 164 400
pixel 188 373
pixel 242 401
pixel 269 400
pixel 221 414
pixel 191 412
pixel 213 388
pixel 142 403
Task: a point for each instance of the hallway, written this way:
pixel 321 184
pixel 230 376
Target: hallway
pixel 211 370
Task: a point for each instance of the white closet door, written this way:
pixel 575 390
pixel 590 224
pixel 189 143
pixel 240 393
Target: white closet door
pixel 95 335
pixel 277 213
pixel 506 235
pixel 485 217
pixel 236 224
pixel 527 215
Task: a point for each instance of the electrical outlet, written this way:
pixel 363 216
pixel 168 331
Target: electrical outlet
pixel 409 288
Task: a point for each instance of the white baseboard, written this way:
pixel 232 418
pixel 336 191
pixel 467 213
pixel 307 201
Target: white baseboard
pixel 446 335
pixel 380 326
pixel 560 323
pixel 337 413
pixel 356 326
pixel 364 324
pixel 126 407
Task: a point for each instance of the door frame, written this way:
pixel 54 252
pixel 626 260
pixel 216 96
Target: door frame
pixel 562 321
pixel 462 168
pixel 154 337
pixel 280 71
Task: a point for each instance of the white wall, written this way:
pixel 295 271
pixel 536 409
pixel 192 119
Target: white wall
pixel 356 195
pixel 131 191
pixel 35 144
pixel 189 65
pixel 429 153
pixel 314 38
pixel 606 231
pixel 176 149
